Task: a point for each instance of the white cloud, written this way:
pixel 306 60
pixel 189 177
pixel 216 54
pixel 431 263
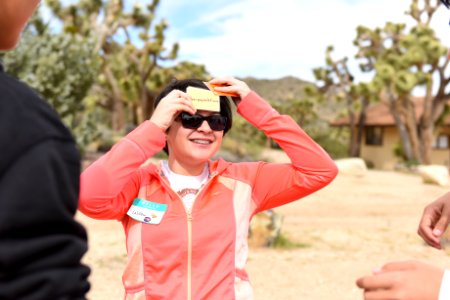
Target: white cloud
pixel 272 39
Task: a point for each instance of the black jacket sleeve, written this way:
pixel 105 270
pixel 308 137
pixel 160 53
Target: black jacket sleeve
pixel 41 244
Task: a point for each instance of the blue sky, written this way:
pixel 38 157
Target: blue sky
pixel 271 39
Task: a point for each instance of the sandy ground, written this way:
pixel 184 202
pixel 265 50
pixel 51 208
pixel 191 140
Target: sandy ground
pixel 350 227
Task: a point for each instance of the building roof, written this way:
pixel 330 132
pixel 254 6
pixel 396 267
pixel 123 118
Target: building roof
pixel 378 114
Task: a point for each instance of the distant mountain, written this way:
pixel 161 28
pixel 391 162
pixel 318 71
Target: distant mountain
pixel 289 88
pixel 278 90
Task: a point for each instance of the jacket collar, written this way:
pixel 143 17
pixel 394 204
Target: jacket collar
pixel 218 166
pixel 215 167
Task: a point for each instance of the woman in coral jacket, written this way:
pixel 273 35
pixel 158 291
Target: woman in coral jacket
pixel 186 219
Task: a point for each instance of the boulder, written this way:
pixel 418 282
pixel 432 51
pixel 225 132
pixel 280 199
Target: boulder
pixel 265 227
pixel 351 166
pixel 434 174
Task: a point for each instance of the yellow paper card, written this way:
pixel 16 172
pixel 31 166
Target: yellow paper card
pixel 204 99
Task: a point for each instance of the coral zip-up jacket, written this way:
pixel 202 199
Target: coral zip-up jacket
pixel 199 254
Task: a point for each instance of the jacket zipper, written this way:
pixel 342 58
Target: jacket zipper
pixel 189 262
pixel 189 229
pixel 189 226
pixel 189 233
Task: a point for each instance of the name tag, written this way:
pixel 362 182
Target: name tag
pixel 146 211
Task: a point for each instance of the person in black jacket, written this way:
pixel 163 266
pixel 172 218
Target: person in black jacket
pixel 41 244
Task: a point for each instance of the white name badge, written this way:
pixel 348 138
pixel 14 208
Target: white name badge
pixel 146 211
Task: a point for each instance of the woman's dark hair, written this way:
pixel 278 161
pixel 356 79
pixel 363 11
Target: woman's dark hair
pixel 182 85
pixel 446 3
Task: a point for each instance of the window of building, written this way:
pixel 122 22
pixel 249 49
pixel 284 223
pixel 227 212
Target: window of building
pixel 374 135
pixel 441 142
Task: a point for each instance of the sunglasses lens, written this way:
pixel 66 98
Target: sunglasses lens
pixel 191 121
pixel 217 122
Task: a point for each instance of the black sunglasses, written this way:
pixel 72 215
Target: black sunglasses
pixel 215 122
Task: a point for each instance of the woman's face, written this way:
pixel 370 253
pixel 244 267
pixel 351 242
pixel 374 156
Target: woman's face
pixel 14 14
pixel 193 146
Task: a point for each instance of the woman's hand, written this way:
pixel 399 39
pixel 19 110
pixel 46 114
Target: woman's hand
pixel 231 85
pixel 409 280
pixel 169 107
pixel 435 219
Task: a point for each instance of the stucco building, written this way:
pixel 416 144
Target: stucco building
pixel 381 138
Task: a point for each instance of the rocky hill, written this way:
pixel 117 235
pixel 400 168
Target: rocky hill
pixel 278 90
pixel 292 88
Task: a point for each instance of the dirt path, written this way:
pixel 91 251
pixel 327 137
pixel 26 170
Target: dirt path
pixel 348 228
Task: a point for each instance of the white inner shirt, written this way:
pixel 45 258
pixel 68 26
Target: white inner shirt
pixel 186 187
